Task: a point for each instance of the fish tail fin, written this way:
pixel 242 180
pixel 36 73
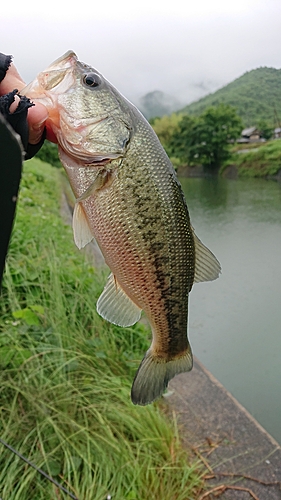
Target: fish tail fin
pixel 154 374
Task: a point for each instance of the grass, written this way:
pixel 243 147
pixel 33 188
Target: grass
pixel 264 161
pixel 248 145
pixel 66 374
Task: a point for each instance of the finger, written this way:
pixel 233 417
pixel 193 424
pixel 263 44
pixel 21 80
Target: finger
pixel 14 104
pixel 37 116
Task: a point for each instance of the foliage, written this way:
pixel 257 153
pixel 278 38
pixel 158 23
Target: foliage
pixel 165 128
pixel 265 129
pixel 264 161
pixel 180 139
pixel 206 140
pixel 256 95
pixel 66 373
pixel 49 154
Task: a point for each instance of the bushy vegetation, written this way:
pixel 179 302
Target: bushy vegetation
pixel 49 154
pixel 167 128
pixel 66 373
pixel 256 95
pixel 203 140
pixel 261 162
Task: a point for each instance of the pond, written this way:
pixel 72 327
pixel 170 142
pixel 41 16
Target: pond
pixel 235 321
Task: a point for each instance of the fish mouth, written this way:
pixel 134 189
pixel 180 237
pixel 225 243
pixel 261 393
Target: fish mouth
pixel 58 78
pixel 67 60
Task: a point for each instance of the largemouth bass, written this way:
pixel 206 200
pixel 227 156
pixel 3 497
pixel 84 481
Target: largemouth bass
pixel 128 198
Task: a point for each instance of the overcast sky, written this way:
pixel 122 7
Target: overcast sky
pixel 184 48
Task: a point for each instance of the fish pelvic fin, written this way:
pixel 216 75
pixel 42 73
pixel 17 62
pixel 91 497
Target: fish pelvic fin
pixel 115 306
pixel 154 373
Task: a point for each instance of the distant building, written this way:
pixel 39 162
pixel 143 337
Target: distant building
pixel 251 134
pixel 277 133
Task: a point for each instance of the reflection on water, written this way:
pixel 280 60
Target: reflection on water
pixel 212 192
pixel 235 322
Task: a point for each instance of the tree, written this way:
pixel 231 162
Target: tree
pixel 165 128
pixel 206 140
pixel 265 129
pixel 179 143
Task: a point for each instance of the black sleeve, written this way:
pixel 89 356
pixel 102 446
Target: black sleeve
pixel 13 142
pixel 10 175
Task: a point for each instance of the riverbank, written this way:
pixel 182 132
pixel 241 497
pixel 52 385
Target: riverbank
pixel 262 161
pixel 231 171
pixel 239 453
pixel 66 374
pixel 225 437
pixel 229 442
pixel 59 342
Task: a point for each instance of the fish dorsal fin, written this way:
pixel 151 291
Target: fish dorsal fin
pixel 81 231
pixel 115 306
pixel 207 267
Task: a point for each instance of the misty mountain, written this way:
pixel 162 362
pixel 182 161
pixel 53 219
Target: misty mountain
pixel 158 103
pixel 256 95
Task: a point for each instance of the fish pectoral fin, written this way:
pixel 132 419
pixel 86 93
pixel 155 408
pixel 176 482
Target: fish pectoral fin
pixel 207 266
pixel 115 306
pixel 81 231
pixel 100 180
pixel 154 373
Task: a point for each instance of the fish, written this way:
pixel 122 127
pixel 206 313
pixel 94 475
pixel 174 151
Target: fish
pixel 129 199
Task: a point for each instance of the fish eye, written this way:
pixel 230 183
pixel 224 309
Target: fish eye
pixel 91 80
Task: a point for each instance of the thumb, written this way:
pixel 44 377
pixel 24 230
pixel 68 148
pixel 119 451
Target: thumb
pixel 37 116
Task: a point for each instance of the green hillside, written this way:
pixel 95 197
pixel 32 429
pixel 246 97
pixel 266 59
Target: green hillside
pixel 158 103
pixel 256 95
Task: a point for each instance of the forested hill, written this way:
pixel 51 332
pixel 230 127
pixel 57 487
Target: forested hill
pixel 256 95
pixel 158 103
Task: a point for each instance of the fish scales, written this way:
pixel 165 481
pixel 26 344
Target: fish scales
pixel 136 222
pixel 129 199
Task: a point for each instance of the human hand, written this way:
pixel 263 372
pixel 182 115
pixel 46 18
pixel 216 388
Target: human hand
pixel 37 115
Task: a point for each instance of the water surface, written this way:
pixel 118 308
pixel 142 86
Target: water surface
pixel 234 322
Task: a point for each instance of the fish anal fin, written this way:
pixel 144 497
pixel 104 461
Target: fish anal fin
pixel 207 266
pixel 154 374
pixel 115 306
pixel 81 231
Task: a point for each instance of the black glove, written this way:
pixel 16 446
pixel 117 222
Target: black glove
pixel 5 62
pixel 17 119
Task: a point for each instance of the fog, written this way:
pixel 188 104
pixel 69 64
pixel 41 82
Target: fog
pixel 186 51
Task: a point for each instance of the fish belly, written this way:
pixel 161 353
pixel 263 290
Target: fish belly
pixel 142 227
